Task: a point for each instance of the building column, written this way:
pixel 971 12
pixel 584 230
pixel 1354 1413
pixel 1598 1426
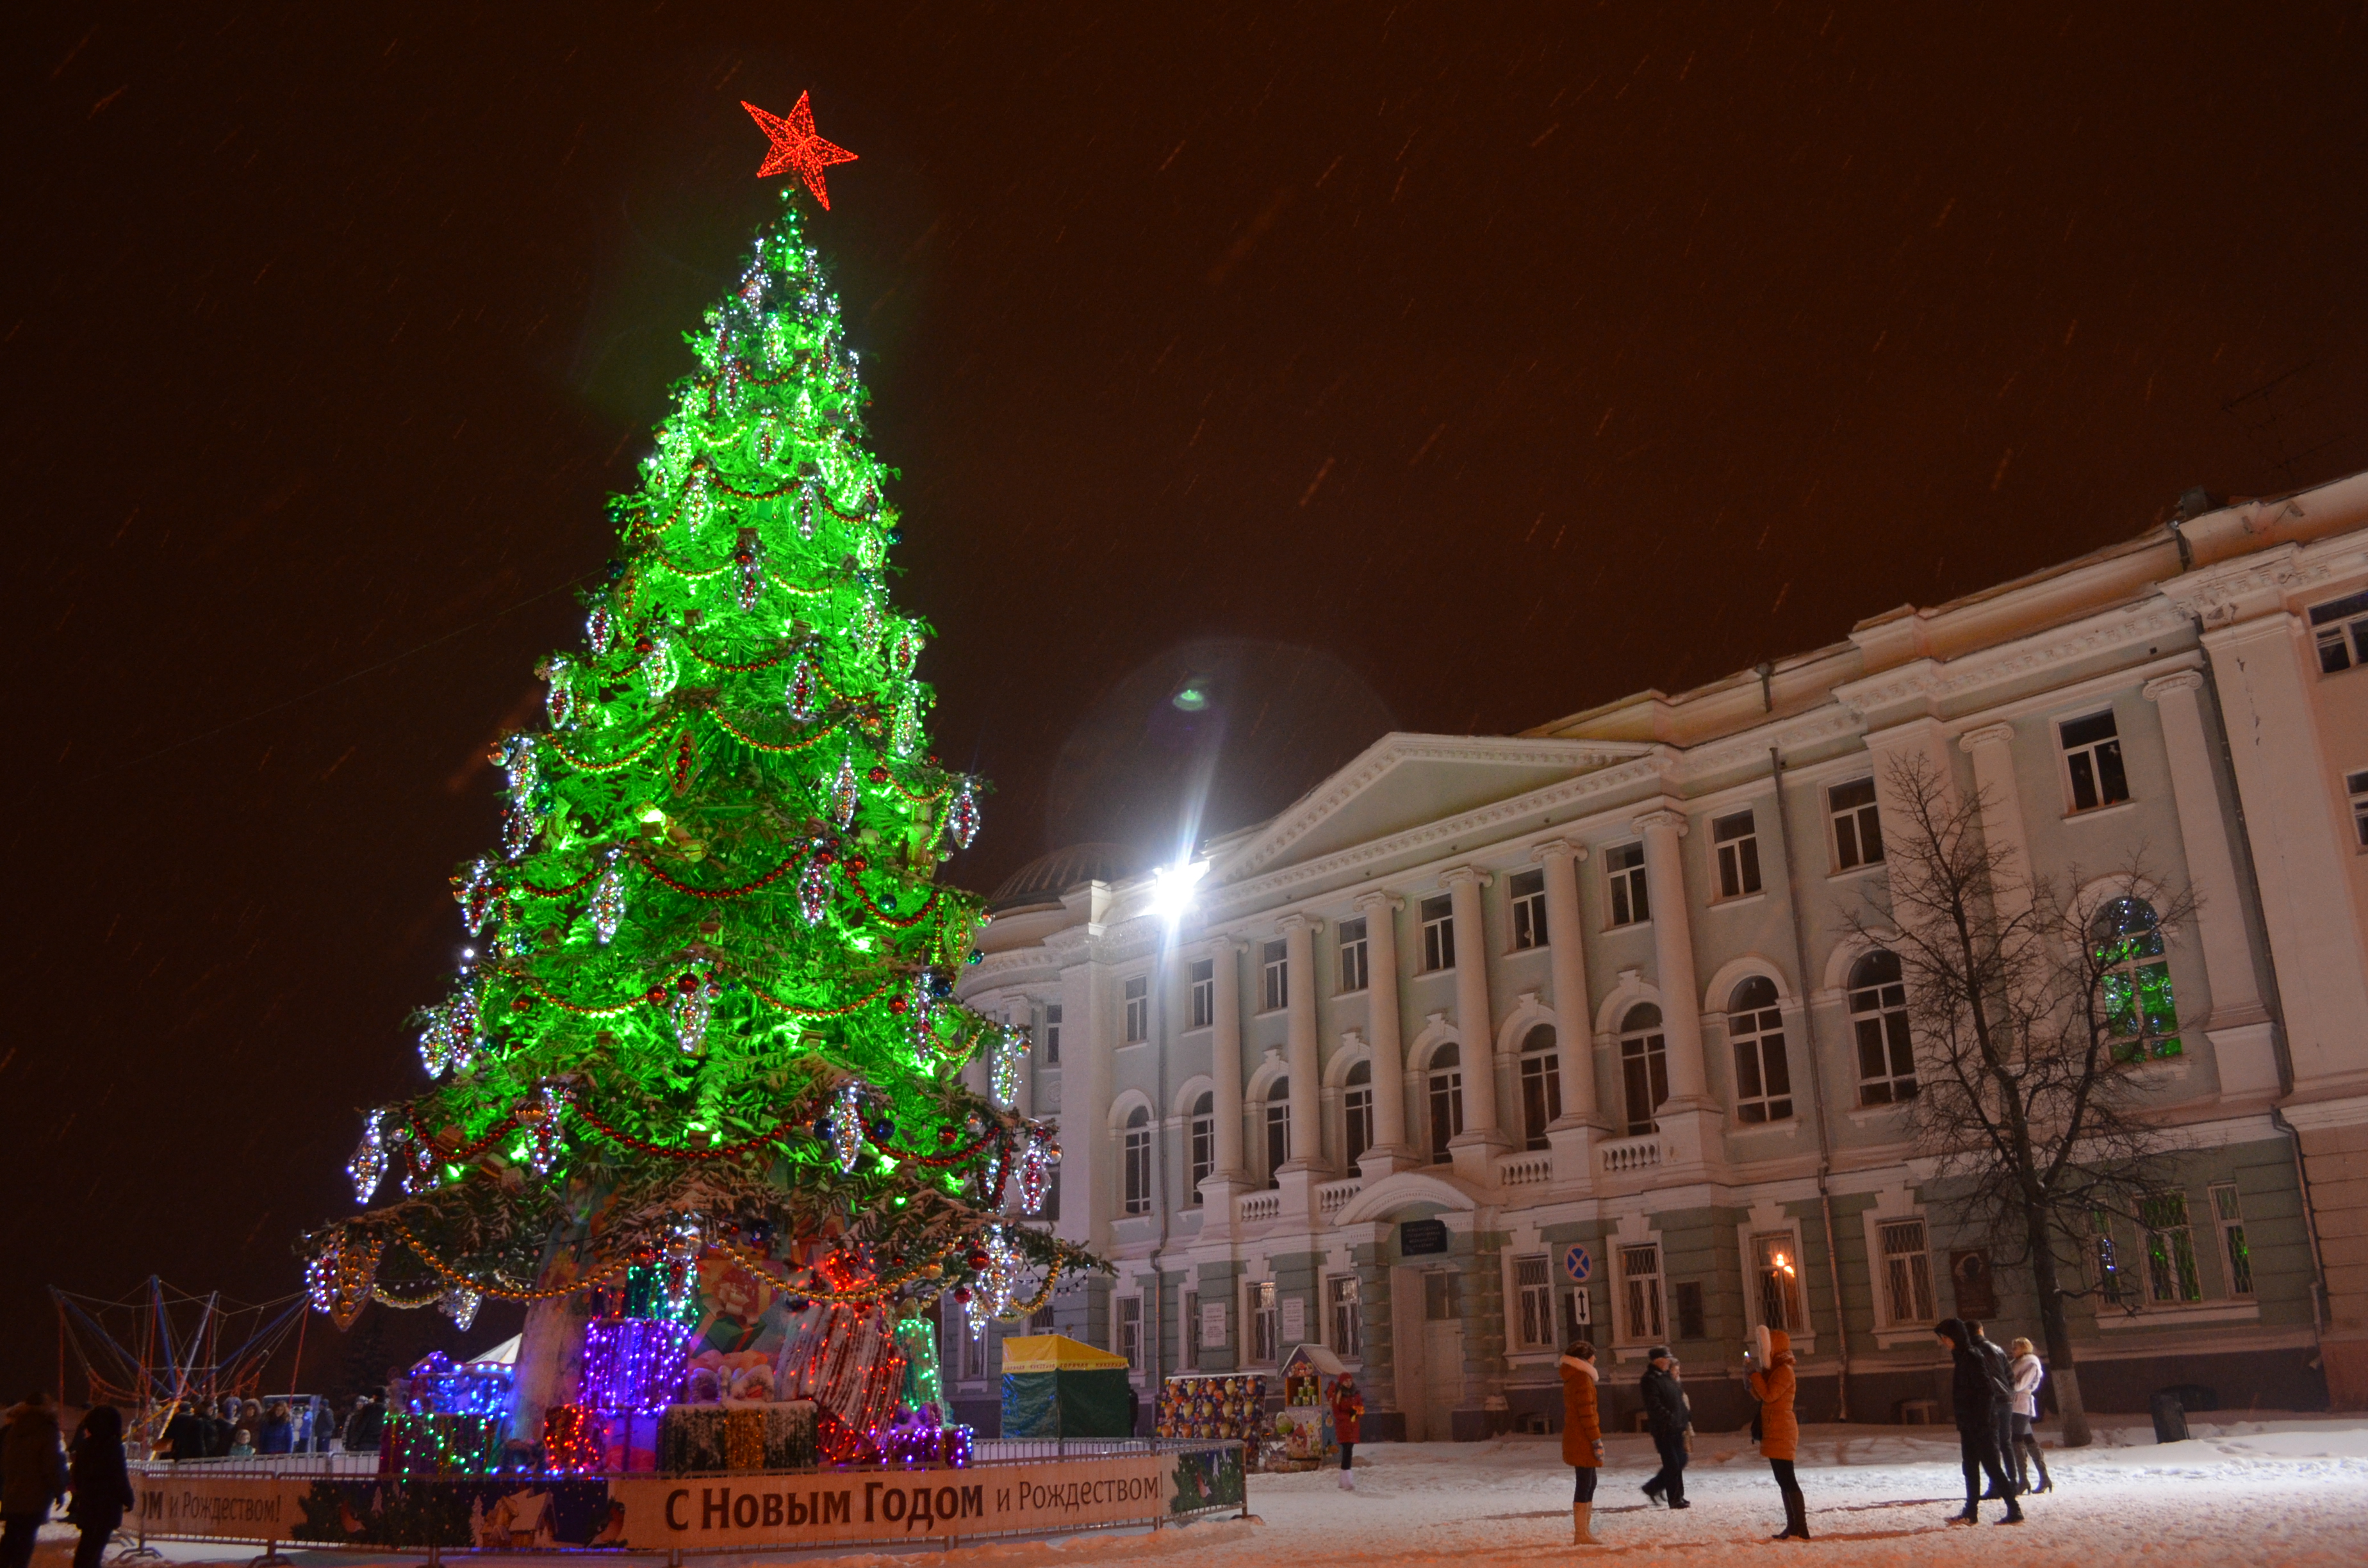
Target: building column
pixel 1229 1177
pixel 2210 865
pixel 1992 749
pixel 1299 1043
pixel 1673 958
pixel 1476 1146
pixel 1565 940
pixel 1087 1163
pixel 1393 1151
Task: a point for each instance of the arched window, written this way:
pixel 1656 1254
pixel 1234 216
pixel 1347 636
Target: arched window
pixel 1644 1067
pixel 2134 981
pixel 1878 1003
pixel 1357 1112
pixel 1541 1085
pixel 1763 1079
pixel 1277 1127
pixel 1204 1144
pixel 1446 1101
pixel 1135 1161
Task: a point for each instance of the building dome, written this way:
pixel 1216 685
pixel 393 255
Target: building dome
pixel 1046 877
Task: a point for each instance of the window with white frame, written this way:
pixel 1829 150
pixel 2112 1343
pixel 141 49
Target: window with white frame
pixel 1446 1086
pixel 1137 993
pixel 2093 775
pixel 1644 1067
pixel 1887 1054
pixel 1623 878
pixel 1640 1293
pixel 1736 838
pixel 1541 1085
pixel 1763 1077
pixel 1438 916
pixel 1858 826
pixel 1533 1316
pixel 1357 1112
pixel 1776 1263
pixel 1353 976
pixel 1528 893
pixel 2133 981
pixel 970 1351
pixel 1052 1034
pixel 1265 1324
pixel 2355 785
pixel 1135 1162
pixel 1275 972
pixel 1126 1330
pixel 1906 1272
pixel 1347 1315
pixel 2114 1282
pixel 1439 1304
pixel 2229 1212
pixel 1204 1143
pixel 1203 992
pixel 2340 628
pixel 1276 1117
pixel 2171 1275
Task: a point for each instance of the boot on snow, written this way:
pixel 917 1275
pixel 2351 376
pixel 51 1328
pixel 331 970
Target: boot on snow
pixel 1580 1535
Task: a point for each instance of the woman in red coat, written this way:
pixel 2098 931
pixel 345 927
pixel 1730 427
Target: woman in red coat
pixel 1582 1437
pixel 1348 1413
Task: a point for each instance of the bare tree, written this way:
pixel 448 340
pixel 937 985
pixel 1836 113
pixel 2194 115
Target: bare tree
pixel 2030 1008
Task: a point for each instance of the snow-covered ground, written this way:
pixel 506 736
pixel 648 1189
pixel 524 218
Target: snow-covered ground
pixel 2262 1491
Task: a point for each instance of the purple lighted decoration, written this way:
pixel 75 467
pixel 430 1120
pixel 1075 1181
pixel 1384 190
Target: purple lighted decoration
pixel 635 1364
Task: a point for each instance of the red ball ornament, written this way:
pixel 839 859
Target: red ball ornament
pixel 522 1003
pixel 858 863
pixel 643 645
pixel 945 1134
pixel 978 1259
pixel 878 776
pixel 962 1295
pixel 897 1004
pixel 687 984
pixel 656 993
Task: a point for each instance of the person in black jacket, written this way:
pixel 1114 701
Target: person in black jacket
pixel 362 1428
pixel 2000 1366
pixel 1666 1418
pixel 1978 1398
pixel 185 1434
pixel 102 1486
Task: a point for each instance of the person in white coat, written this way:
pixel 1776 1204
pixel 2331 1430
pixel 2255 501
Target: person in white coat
pixel 2023 1409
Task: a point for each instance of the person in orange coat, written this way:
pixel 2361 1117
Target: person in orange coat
pixel 1582 1437
pixel 1770 1356
pixel 1347 1415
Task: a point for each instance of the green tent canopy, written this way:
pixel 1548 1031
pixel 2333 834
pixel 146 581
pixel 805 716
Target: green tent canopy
pixel 1057 1387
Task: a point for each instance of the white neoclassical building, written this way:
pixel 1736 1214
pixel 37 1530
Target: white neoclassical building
pixel 1481 1016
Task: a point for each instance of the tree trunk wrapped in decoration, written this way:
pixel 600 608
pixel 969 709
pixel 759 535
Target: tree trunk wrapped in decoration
pixel 701 1044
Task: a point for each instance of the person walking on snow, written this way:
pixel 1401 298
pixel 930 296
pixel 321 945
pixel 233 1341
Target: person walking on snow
pixel 102 1485
pixel 32 1476
pixel 2028 1375
pixel 1977 1399
pixel 1995 1362
pixel 1666 1418
pixel 1770 1356
pixel 1582 1437
pixel 1347 1415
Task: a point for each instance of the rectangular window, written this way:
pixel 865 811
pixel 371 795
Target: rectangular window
pixel 2092 762
pixel 1353 955
pixel 1204 1148
pixel 1906 1272
pixel 1858 828
pixel 1347 1315
pixel 1529 895
pixel 1275 972
pixel 1438 932
pixel 1126 1337
pixel 2341 630
pixel 1439 1296
pixel 1052 1034
pixel 1138 1169
pixel 1623 873
pixel 1737 840
pixel 2356 786
pixel 2113 1282
pixel 2233 1252
pixel 1136 990
pixel 1278 1136
pixel 1205 993
pixel 1043 1319
pixel 1357 1120
pixel 1533 1302
pixel 1763 1075
pixel 1693 1323
pixel 1446 1111
pixel 1640 1286
pixel 1189 1331
pixel 1541 1096
pixel 1645 1076
pixel 1776 1257
pixel 972 1347
pixel 1265 1327
pixel 2170 1250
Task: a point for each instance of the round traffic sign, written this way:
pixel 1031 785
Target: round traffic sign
pixel 1577 1263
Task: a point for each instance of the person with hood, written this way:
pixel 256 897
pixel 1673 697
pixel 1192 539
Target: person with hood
pixel 277 1433
pixel 186 1433
pixel 2028 1375
pixel 1582 1437
pixel 32 1476
pixel 102 1485
pixel 1667 1417
pixel 1347 1416
pixel 1976 1399
pixel 1770 1356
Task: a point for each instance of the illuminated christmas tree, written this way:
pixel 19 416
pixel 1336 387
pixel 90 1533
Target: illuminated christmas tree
pixel 706 1011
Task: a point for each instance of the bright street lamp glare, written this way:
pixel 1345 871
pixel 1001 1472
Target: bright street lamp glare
pixel 1172 888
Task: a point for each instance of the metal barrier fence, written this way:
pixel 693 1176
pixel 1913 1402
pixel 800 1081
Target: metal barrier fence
pixel 315 1502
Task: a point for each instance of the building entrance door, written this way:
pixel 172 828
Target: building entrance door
pixel 1442 1353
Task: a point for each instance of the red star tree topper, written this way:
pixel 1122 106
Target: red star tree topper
pixel 797 148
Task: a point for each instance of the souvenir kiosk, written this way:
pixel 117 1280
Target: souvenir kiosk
pixel 1303 1428
pixel 1057 1387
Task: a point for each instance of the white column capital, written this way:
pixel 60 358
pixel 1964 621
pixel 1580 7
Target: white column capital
pixel 1298 920
pixel 1455 876
pixel 2160 687
pixel 1377 898
pixel 1217 947
pixel 1987 735
pixel 1661 817
pixel 1558 849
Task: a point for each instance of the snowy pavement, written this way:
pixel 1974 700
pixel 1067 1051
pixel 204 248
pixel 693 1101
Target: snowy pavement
pixel 2263 1492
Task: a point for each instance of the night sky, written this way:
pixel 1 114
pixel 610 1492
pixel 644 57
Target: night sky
pixel 1440 368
